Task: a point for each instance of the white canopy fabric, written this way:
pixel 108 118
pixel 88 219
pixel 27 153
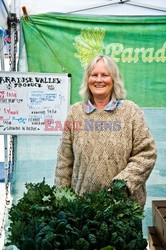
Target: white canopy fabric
pixel 94 7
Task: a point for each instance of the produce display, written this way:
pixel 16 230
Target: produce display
pixel 50 218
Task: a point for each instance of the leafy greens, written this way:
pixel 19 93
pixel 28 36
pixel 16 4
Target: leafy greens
pixel 57 219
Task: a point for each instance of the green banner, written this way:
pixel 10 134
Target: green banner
pixel 60 43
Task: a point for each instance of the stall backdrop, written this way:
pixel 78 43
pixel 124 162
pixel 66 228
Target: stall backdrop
pixel 56 42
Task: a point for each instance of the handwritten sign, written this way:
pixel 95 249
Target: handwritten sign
pixel 29 101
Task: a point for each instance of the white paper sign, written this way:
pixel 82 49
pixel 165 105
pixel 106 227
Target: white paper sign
pixel 33 103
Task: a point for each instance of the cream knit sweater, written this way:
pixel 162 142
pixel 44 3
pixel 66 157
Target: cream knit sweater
pixel 107 145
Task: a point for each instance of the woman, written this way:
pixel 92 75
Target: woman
pixel 105 136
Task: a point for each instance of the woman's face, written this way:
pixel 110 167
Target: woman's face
pixel 100 81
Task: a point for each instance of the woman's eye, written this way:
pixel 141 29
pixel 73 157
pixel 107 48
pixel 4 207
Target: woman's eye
pixel 96 75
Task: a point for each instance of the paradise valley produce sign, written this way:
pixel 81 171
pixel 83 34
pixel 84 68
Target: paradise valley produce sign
pixel 137 44
pixel 28 100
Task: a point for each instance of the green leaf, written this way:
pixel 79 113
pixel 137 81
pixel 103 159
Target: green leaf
pixel 108 248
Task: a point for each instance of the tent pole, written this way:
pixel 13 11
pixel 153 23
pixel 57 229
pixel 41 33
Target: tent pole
pixel 5 7
pixel 2 64
pixel 12 26
pixel 147 6
pixel 98 6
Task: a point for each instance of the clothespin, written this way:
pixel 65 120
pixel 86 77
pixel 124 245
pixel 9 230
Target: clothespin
pixel 25 13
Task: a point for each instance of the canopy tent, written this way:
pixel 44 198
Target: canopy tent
pixel 97 7
pixel 33 159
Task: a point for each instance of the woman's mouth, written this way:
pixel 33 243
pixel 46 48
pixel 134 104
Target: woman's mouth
pixel 99 86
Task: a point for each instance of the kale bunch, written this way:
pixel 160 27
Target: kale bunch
pixel 58 219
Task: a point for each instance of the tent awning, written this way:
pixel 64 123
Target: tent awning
pixel 93 7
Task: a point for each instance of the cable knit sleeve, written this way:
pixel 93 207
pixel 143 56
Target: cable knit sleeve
pixel 64 166
pixel 142 157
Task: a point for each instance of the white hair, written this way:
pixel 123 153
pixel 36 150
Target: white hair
pixel 118 91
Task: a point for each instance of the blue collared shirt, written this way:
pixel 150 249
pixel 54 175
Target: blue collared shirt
pixel 113 104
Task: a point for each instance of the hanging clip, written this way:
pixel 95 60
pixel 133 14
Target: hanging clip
pixel 25 13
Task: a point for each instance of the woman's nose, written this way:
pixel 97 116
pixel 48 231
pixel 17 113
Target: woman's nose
pixel 99 78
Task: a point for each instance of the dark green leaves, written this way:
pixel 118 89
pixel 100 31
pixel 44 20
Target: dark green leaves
pixel 51 218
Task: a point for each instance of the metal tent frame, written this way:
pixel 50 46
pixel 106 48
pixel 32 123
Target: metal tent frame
pixel 129 2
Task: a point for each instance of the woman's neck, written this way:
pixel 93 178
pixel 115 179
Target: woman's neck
pixel 100 103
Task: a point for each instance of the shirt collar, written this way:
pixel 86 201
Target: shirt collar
pixel 113 104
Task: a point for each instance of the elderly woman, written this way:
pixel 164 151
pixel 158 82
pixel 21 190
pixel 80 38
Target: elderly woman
pixel 105 136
